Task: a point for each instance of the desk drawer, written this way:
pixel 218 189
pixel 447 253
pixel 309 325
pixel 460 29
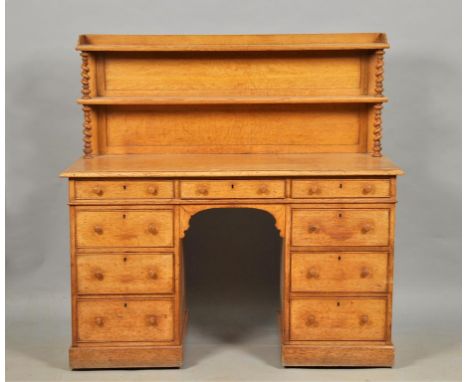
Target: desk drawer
pixel 338 319
pixel 232 189
pixel 340 227
pixel 113 229
pixel 339 272
pixel 122 274
pixel 125 320
pixel 336 188
pixel 132 189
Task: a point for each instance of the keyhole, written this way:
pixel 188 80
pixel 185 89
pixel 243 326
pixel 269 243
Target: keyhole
pixel 125 305
pixel 339 257
pixel 124 216
pixel 124 259
pixel 340 215
pixel 341 185
pixel 232 186
pixel 124 186
pixel 338 303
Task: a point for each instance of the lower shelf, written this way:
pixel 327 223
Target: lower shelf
pixel 338 355
pixel 125 357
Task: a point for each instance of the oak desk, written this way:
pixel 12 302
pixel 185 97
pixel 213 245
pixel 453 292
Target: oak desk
pixel 288 124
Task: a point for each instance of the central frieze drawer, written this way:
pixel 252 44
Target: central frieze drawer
pixel 340 227
pixel 338 319
pixel 125 320
pixel 339 272
pixel 133 189
pixel 113 229
pixel 129 273
pixel 232 189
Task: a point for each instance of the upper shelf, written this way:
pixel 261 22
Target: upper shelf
pixel 221 100
pixel 291 42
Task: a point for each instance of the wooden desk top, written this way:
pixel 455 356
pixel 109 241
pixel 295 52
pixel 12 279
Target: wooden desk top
pixel 232 165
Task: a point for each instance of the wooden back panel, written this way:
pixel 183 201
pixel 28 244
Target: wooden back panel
pixel 232 94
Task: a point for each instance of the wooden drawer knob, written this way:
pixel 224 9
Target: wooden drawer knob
pixel 152 229
pixel 263 190
pixel 311 321
pixel 98 191
pixel 365 273
pixel 99 276
pixel 367 189
pixel 152 320
pixel 314 190
pixel 312 229
pixel 312 274
pixel 152 190
pixel 98 229
pixel 202 190
pixel 152 275
pixel 366 228
pixel 99 321
pixel 364 319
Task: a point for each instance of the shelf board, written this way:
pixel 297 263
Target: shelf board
pixel 233 43
pixel 223 100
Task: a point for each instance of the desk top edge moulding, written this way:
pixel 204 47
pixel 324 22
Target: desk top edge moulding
pixel 288 124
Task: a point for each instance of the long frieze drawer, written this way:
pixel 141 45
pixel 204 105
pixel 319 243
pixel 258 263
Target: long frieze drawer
pixel 338 319
pixel 340 227
pixel 122 274
pixel 232 189
pixel 133 189
pixel 336 188
pixel 339 272
pixel 125 320
pixel 132 228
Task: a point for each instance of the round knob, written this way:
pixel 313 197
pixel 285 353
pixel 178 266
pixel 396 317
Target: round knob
pixel 99 275
pixel 152 190
pixel 152 320
pixel 311 321
pixel 99 321
pixel 314 190
pixel 202 190
pixel 312 229
pixel 364 319
pixel 364 272
pixel 152 275
pixel 98 191
pixel 263 189
pixel 366 228
pixel 98 229
pixel 367 189
pixel 152 229
pixel 312 274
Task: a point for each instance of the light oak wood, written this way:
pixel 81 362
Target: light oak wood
pixel 125 274
pixel 125 357
pixel 232 189
pixel 125 320
pixel 126 228
pixel 332 188
pixel 339 272
pixel 117 189
pixel 135 43
pixel 341 227
pixel 226 165
pixel 338 355
pixel 289 125
pixel 228 99
pixel 338 318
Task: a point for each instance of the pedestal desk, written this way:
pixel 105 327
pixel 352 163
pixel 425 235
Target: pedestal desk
pixel 288 124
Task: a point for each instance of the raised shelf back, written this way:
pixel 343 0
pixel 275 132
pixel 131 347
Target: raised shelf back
pixel 232 94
